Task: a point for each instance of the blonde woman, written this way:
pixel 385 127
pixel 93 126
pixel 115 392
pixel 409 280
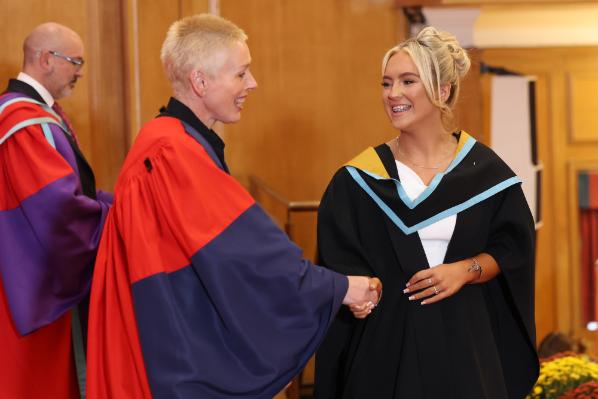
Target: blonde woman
pixel 443 222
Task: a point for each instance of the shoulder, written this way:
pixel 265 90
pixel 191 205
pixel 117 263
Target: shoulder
pixel 164 144
pixel 17 107
pixel 342 188
pixel 162 129
pixel 160 135
pixel 486 153
pixel 481 161
pixel 373 160
pixel 24 120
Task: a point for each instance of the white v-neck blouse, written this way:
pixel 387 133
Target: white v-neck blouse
pixel 435 237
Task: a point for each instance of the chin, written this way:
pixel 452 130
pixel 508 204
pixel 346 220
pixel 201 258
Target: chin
pixel 399 126
pixel 234 119
pixel 63 94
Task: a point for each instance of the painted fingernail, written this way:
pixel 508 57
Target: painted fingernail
pixel 407 285
pixel 424 302
pixel 406 290
pixel 412 297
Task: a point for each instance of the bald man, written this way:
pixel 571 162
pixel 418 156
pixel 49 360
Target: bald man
pixel 51 217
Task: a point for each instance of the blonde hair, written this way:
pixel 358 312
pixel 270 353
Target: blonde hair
pixel 192 43
pixel 440 60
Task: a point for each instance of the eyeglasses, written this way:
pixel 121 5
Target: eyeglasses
pixel 75 61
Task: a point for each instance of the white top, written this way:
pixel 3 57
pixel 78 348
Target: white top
pixel 435 237
pixel 23 77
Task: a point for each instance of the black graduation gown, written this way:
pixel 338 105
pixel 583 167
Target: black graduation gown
pixel 476 344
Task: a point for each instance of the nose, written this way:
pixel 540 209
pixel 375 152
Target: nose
pixel 251 82
pixel 396 90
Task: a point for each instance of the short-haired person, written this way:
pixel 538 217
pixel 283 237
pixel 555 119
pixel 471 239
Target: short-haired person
pixel 197 294
pixel 443 221
pixel 51 217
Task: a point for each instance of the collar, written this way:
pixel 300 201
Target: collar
pixel 475 175
pixel 39 88
pixel 178 110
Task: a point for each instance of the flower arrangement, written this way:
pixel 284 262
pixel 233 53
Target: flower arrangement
pixel 563 373
pixel 589 390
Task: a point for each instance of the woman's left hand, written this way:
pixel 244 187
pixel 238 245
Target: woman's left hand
pixel 439 282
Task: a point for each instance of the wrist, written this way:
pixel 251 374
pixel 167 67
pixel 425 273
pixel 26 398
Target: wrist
pixel 357 285
pixel 474 270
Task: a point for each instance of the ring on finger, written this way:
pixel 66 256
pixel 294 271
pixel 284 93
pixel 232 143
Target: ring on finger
pixel 436 291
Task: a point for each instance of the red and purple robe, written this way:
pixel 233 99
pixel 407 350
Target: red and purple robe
pixel 49 232
pixel 197 294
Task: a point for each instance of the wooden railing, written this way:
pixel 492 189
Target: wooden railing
pixel 268 198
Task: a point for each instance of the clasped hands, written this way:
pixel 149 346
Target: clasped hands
pixel 363 295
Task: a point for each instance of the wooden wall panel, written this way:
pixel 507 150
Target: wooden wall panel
pixel 468 110
pixel 154 20
pixel 148 89
pixel 106 75
pixel 318 103
pixel 583 104
pixel 146 24
pixel 557 281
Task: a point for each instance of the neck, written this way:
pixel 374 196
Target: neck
pixel 34 74
pixel 426 150
pixel 196 105
pixel 426 146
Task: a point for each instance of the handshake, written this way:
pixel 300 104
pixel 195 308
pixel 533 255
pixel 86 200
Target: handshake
pixel 363 295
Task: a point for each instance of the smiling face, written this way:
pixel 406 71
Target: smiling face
pixel 227 89
pixel 405 99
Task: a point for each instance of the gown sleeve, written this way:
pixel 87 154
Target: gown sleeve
pixel 49 230
pixel 511 294
pixel 512 245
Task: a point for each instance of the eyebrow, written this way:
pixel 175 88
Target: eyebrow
pixel 403 75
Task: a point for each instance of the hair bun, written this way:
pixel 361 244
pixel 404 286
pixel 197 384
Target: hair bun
pixel 439 41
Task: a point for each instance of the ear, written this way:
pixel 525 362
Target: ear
pixel 44 60
pixel 445 92
pixel 198 82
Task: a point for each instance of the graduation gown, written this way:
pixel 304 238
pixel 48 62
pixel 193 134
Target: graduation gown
pixel 478 343
pixel 196 293
pixel 50 224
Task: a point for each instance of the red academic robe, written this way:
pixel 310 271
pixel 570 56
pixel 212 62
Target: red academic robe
pixel 196 293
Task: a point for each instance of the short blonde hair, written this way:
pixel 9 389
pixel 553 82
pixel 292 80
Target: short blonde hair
pixel 440 60
pixel 192 42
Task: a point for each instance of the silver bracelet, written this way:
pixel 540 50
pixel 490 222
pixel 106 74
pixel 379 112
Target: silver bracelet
pixel 476 267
